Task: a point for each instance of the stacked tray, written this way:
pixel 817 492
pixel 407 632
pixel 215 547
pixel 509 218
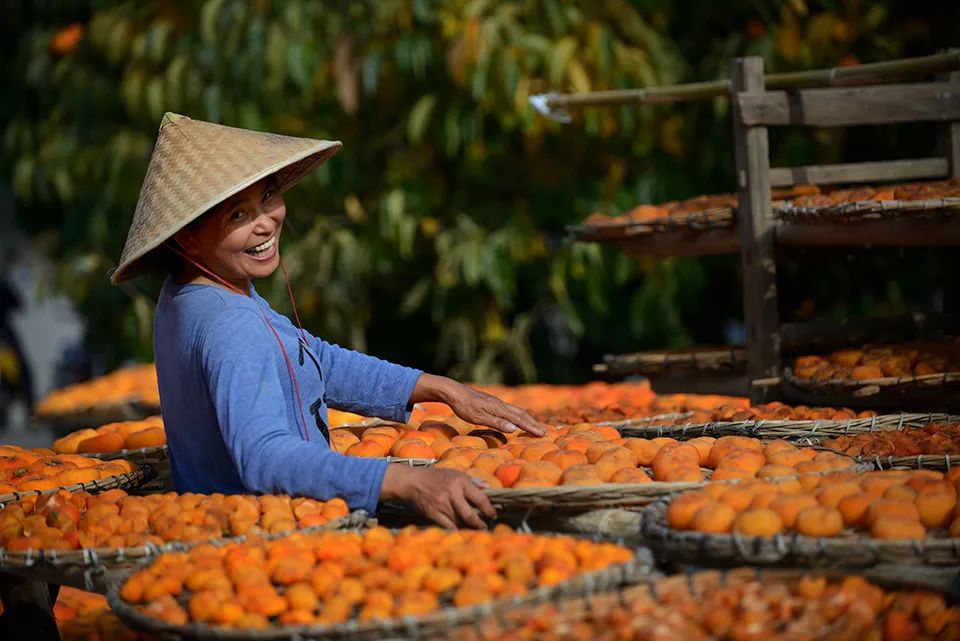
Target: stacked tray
pixel 853 205
pixel 789 549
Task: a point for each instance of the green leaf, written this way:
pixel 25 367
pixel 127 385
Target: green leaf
pixel 420 117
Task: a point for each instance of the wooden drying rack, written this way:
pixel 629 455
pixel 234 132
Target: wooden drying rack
pixel 822 98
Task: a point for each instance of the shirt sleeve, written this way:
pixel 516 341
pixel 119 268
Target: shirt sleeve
pixel 365 384
pixel 270 456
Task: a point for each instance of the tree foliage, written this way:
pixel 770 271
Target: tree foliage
pixel 435 238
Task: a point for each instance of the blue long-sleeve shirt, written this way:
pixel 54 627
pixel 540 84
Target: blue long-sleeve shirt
pixel 230 409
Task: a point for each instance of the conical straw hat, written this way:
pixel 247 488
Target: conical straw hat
pixel 197 164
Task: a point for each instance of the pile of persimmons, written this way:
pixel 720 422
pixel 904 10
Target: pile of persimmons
pixel 931 439
pixel 23 470
pixel 775 411
pixel 332 577
pixel 739 608
pixel 894 504
pixel 114 437
pixel 115 519
pixel 800 195
pixel 881 361
pixel 586 454
pixel 131 384
pixel 85 616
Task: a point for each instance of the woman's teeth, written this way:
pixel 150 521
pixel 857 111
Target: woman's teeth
pixel 259 249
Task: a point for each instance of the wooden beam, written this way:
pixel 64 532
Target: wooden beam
pixel 755 223
pixel 860 172
pixel 838 107
pixel 869 73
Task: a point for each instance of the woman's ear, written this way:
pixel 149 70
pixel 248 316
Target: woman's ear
pixel 185 239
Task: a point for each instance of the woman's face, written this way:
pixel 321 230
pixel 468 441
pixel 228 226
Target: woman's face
pixel 240 239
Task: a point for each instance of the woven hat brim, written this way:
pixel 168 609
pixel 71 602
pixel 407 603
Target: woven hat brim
pixel 289 172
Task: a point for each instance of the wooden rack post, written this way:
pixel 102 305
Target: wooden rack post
pixel 948 144
pixel 754 110
pixel 756 233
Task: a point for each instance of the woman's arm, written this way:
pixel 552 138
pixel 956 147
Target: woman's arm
pixel 241 376
pixel 373 387
pixel 365 384
pixel 473 406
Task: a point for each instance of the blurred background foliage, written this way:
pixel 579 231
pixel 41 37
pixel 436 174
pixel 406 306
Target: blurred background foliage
pixel 436 237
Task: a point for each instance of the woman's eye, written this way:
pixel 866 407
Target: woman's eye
pixel 237 215
pixel 267 195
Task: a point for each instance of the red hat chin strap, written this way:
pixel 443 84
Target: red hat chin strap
pixel 172 245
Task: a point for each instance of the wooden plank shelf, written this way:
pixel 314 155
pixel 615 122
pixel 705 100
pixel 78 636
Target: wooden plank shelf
pixel 707 242
pixel 729 358
pixel 900 232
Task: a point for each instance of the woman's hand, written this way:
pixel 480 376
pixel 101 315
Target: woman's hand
pixel 447 497
pixel 475 407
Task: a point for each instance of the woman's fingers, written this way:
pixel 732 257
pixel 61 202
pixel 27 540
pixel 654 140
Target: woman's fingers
pixel 478 498
pixel 508 418
pixel 524 421
pixel 467 515
pixel 442 520
pixel 501 424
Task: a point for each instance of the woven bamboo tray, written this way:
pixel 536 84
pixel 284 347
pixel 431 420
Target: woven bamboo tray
pixel 127 481
pixel 785 429
pixel 579 608
pixel 789 549
pixel 606 495
pixel 937 392
pixel 704 359
pixel 434 625
pixel 918 462
pixel 157 457
pixel 851 212
pixel 94 569
pixel 914 462
pixel 127 410
pixel 714 218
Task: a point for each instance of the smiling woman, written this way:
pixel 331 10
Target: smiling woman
pixel 244 392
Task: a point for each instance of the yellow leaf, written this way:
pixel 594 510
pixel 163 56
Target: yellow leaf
pixel 578 76
pixel 788 38
pixel 493 329
pixel 429 226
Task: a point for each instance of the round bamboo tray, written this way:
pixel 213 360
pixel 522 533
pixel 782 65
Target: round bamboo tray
pixel 94 569
pixel 918 462
pixel 589 496
pixel 700 583
pixel 127 481
pixel 853 212
pixel 789 549
pixel 785 429
pixel 935 391
pixel 914 461
pixel 434 625
pixel 157 457
pixel 606 495
pixel 713 218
